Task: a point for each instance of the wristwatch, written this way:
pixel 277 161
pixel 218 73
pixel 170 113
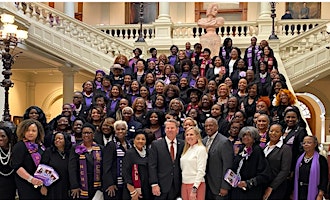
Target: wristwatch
pixel 194 189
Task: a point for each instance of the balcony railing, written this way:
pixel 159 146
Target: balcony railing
pixel 285 29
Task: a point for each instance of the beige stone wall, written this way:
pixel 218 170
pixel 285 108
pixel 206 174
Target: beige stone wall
pixel 48 92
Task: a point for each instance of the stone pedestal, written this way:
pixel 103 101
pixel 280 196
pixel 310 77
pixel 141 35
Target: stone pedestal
pixel 211 41
pixel 264 28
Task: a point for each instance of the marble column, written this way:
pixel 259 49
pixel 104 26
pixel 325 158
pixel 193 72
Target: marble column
pixel 264 21
pixel 68 72
pixel 31 90
pixel 164 12
pixel 69 9
pixel 265 11
pixel 163 26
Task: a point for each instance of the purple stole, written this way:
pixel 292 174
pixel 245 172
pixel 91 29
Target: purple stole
pixel 314 177
pixel 81 150
pixel 33 150
pixel 250 57
pixel 224 53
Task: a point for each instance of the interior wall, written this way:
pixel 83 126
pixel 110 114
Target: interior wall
pixel 253 11
pixel 48 92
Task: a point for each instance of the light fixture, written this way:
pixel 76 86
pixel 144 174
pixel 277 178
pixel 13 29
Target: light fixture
pixel 10 36
pixel 273 36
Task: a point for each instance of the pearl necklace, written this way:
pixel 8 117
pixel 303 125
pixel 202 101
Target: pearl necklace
pixel 5 160
pixel 306 160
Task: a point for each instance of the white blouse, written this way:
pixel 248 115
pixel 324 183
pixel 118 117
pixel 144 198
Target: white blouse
pixel 193 165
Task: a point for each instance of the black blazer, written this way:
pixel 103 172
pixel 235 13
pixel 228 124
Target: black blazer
pixel 279 160
pixel 298 133
pixel 220 158
pixel 162 170
pixel 109 166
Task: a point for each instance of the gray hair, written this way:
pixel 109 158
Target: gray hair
pixel 120 122
pixel 128 108
pixel 212 120
pixel 177 124
pixel 249 129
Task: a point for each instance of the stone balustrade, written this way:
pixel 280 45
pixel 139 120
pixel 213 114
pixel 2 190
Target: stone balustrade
pixel 73 28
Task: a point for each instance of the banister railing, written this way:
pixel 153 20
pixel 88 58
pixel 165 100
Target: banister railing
pixel 73 28
pixel 309 41
pixel 294 27
pixel 285 29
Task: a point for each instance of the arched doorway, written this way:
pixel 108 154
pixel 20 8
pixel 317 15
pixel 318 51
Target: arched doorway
pixel 316 109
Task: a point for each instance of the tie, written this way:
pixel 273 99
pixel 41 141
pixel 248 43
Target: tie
pixel 208 143
pixel 172 150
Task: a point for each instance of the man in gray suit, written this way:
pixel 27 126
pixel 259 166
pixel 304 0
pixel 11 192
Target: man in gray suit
pixel 220 158
pixel 164 163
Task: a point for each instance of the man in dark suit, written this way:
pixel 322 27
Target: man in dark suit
pixel 220 158
pixel 164 163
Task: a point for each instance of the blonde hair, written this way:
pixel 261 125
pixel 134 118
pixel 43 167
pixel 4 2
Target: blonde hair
pixel 199 138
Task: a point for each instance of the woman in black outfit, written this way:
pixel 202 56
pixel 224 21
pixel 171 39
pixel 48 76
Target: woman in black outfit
pixel 57 156
pixel 26 157
pixel 85 165
pixel 251 165
pixel 136 162
pixel 311 172
pixel 7 175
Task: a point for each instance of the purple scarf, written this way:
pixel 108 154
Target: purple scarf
pixel 33 150
pixel 250 57
pixel 314 177
pixel 81 150
pixel 98 84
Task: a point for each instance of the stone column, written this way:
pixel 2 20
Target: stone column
pixel 163 26
pixel 31 90
pixel 164 12
pixel 69 9
pixel 264 21
pixel 264 10
pixel 68 72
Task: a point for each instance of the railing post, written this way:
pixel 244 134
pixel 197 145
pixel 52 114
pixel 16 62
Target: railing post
pixel 163 26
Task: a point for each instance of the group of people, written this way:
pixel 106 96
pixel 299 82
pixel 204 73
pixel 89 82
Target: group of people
pixel 168 127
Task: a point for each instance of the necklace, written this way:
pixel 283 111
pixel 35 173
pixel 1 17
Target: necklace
pixel 5 159
pixel 306 160
pixel 61 154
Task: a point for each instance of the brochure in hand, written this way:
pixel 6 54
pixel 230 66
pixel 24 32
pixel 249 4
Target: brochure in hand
pixel 47 174
pixel 232 178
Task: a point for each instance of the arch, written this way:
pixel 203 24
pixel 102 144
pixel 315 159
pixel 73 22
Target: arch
pixel 51 99
pixel 321 107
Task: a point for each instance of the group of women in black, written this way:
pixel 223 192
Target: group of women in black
pixel 99 143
